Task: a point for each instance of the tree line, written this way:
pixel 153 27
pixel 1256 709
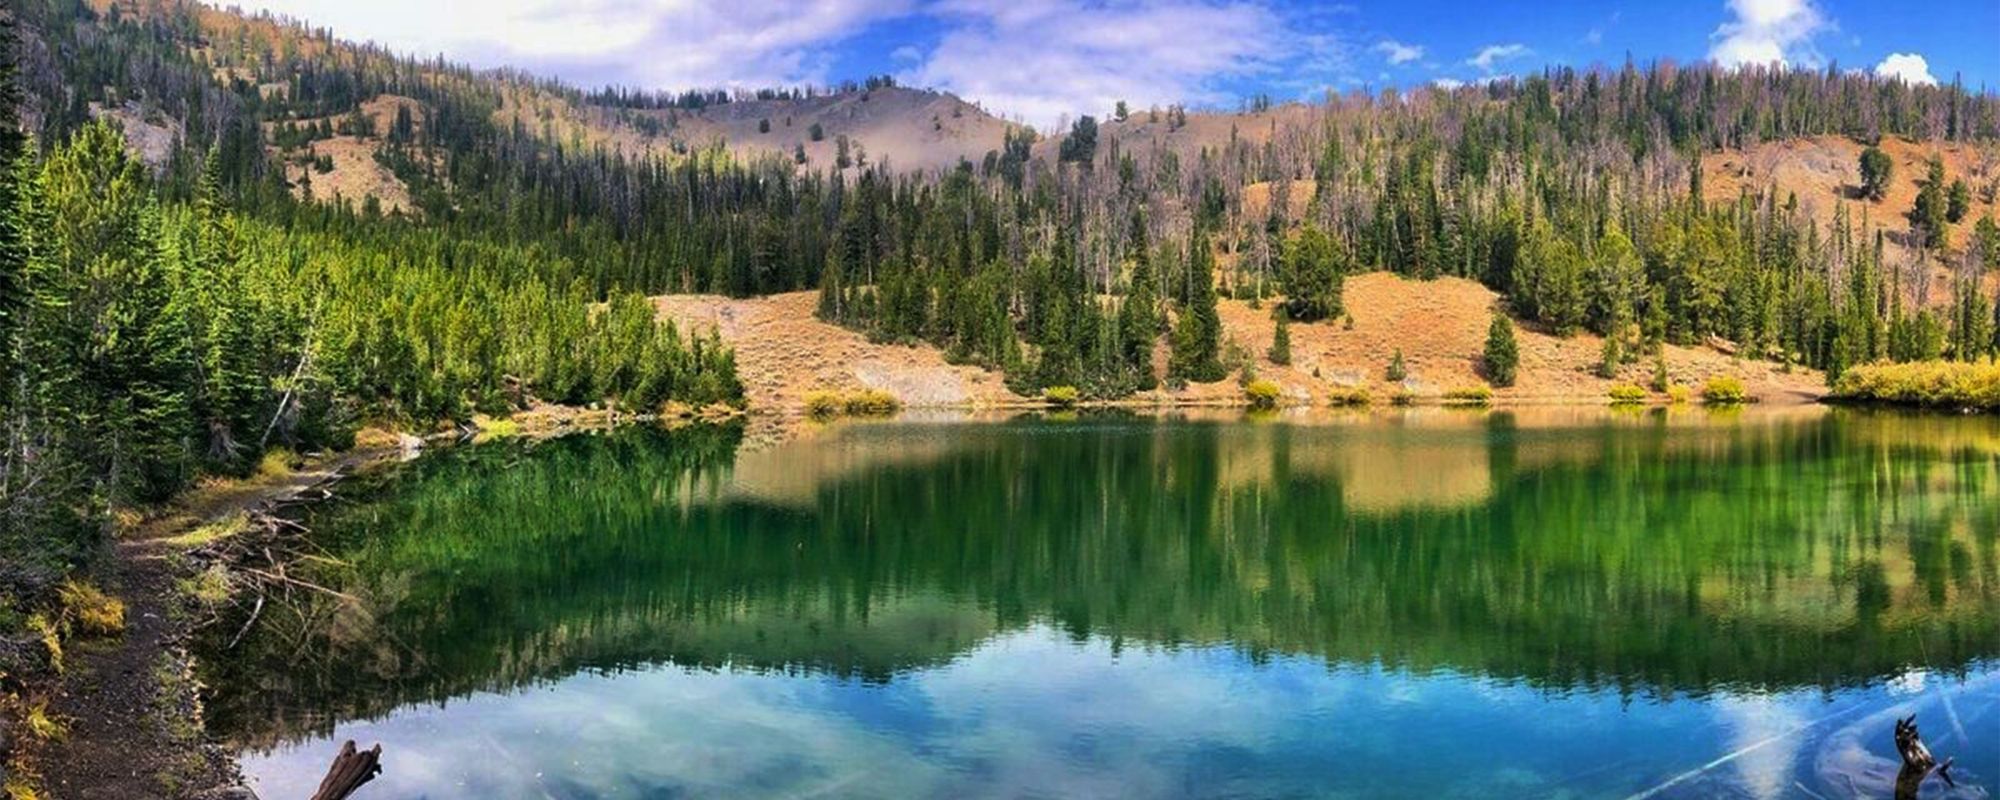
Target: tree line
pixel 151 334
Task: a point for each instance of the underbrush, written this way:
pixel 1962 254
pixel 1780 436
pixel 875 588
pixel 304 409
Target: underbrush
pixel 861 403
pixel 1930 384
pixel 1478 394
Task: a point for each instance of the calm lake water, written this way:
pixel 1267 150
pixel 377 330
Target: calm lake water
pixel 1432 603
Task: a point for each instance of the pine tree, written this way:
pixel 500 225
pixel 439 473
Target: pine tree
pixel 1502 356
pixel 1198 331
pixel 1281 339
pixel 1139 315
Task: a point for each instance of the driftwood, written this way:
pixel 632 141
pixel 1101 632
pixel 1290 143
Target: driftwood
pixel 350 770
pixel 1918 763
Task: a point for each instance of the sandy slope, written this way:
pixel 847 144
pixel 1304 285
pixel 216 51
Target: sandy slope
pixel 784 352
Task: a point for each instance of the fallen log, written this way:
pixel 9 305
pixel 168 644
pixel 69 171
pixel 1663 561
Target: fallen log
pixel 350 770
pixel 1918 763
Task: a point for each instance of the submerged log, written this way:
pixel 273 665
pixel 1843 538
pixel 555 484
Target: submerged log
pixel 1918 763
pixel 350 770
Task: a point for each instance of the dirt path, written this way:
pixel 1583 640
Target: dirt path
pixel 131 703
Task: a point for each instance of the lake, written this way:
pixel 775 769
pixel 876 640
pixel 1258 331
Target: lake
pixel 1421 603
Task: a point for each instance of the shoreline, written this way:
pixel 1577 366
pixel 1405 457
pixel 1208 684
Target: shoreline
pixel 130 704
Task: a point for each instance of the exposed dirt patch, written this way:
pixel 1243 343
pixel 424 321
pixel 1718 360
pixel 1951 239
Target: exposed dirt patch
pixel 355 176
pixel 1440 327
pixel 783 352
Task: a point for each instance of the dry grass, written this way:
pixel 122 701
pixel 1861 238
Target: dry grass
pixel 90 611
pixel 215 530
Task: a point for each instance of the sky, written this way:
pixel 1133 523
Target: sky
pixel 1042 61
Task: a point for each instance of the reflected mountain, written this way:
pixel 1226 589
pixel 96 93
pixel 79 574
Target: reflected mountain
pixel 1652 553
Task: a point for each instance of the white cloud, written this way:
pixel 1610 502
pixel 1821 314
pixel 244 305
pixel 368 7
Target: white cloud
pixel 1043 59
pixel 1910 67
pixel 1493 54
pixel 668 44
pixel 1397 52
pixel 1768 31
pixel 1037 60
pixel 1447 84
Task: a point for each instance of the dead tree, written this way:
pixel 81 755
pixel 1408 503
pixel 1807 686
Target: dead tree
pixel 350 770
pixel 1918 763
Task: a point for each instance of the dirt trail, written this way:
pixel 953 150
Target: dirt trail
pixel 131 703
pixel 783 351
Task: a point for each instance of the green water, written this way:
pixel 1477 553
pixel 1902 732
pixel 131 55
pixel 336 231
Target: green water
pixel 1423 604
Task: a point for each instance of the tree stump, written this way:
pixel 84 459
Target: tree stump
pixel 350 770
pixel 1918 763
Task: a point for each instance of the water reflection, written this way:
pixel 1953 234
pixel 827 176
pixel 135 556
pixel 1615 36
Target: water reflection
pixel 1169 607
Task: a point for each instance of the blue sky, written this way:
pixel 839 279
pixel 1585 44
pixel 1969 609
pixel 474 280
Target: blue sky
pixel 1042 60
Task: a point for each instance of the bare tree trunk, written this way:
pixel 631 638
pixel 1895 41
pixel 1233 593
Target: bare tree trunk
pixel 350 770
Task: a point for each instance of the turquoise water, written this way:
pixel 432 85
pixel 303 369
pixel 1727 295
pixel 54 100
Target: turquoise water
pixel 1423 604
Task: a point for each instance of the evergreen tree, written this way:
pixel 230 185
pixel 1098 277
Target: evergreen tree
pixel 1139 318
pixel 1198 331
pixel 1502 356
pixel 1281 339
pixel 1876 170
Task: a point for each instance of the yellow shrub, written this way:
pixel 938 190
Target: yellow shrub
pixel 1724 390
pixel 1060 396
pixel 276 463
pixel 93 612
pixel 1627 393
pixel 1354 396
pixel 1923 383
pixel 872 402
pixel 1477 394
pixel 1403 397
pixel 823 403
pixel 1678 394
pixel 1262 394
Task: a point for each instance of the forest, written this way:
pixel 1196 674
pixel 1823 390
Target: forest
pixel 152 332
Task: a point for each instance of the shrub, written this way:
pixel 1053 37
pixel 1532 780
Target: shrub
pixel 1724 390
pixel 1678 394
pixel 823 403
pixel 1403 397
pixel 872 402
pixel 1349 396
pixel 1923 383
pixel 276 463
pixel 1262 394
pixel 90 610
pixel 1627 393
pixel 1477 394
pixel 1397 369
pixel 1060 396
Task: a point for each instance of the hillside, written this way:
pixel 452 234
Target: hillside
pixel 1824 174
pixel 783 352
